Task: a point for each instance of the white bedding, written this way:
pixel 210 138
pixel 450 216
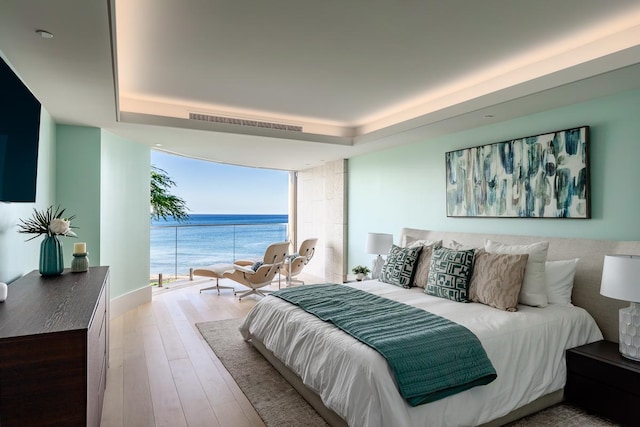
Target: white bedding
pixel 525 347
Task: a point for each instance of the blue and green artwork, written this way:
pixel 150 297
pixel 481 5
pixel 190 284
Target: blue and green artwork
pixel 543 176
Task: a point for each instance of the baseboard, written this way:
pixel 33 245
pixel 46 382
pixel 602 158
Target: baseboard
pixel 129 301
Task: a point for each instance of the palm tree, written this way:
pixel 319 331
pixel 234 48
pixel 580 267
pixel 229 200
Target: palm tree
pixel 163 203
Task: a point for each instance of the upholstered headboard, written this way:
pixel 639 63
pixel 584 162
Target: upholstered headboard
pixel 586 288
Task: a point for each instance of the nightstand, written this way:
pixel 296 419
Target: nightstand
pixel 602 382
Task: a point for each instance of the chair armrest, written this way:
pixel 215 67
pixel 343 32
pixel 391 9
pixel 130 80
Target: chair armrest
pixel 244 262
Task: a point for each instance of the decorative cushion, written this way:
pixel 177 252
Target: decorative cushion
pixel 450 273
pixel 497 279
pixel 398 269
pixel 291 257
pixel 421 274
pixel 256 265
pixel 534 285
pixel 560 275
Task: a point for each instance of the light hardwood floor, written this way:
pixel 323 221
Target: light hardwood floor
pixel 162 372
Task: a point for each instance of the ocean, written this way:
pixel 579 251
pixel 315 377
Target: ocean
pixel 207 239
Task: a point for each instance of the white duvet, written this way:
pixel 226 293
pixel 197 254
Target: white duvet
pixel 526 348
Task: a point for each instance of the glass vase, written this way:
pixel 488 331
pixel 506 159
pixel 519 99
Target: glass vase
pixel 51 261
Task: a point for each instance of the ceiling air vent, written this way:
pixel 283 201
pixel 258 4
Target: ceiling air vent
pixel 243 122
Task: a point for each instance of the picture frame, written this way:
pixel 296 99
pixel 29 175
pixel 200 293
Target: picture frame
pixel 541 176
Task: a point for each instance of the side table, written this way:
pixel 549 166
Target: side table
pixel 603 382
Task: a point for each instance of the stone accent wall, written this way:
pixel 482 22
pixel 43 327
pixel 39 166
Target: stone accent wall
pixel 322 212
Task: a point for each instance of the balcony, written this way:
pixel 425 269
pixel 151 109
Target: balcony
pixel 175 249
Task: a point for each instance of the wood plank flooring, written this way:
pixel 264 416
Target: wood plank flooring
pixel 162 373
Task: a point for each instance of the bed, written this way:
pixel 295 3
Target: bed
pixel 350 383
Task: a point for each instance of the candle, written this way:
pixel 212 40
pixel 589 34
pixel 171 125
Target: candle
pixel 80 248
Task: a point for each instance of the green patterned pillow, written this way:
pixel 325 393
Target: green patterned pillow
pixel 398 269
pixel 450 274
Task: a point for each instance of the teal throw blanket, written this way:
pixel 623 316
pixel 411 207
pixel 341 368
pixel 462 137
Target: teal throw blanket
pixel 430 356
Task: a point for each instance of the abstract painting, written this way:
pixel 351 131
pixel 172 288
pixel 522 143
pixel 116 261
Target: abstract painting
pixel 543 176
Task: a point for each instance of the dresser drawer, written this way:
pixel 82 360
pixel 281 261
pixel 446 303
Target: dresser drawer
pixel 602 399
pixel 96 361
pixel 599 371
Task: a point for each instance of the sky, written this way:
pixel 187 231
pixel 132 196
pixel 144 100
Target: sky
pixel 214 188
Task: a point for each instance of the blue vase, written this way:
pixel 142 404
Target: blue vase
pixel 51 261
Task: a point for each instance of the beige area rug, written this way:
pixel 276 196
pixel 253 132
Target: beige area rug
pixel 275 400
pixel 280 405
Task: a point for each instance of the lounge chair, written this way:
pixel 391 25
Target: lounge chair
pixel 294 264
pixel 252 274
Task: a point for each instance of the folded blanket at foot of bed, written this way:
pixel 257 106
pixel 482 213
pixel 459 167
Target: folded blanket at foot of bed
pixel 430 356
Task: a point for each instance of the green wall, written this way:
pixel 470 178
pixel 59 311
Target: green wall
pixel 18 257
pixel 78 186
pixel 124 216
pixel 104 180
pixel 405 186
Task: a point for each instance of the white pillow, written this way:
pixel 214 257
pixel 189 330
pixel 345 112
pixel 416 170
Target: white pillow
pixel 560 276
pixel 453 244
pixel 534 285
pixel 412 244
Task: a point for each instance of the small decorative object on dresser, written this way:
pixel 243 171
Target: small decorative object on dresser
pixel 603 382
pixel 80 261
pixel 621 280
pixel 52 224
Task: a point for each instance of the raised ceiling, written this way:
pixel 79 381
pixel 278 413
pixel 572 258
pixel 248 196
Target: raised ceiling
pixel 356 76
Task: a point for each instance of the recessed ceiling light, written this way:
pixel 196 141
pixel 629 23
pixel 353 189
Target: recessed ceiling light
pixel 44 34
pixel 488 116
pixel 158 145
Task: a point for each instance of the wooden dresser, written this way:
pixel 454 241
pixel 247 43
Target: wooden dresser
pixel 54 349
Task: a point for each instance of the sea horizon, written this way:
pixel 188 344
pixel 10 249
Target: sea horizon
pixel 205 239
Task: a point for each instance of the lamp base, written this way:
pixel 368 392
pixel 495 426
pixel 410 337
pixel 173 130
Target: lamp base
pixel 376 268
pixel 630 332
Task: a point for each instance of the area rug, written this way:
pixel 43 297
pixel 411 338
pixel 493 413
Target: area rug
pixel 274 399
pixel 279 404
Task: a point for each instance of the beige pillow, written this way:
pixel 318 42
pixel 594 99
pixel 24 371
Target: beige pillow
pixel 534 285
pixel 497 279
pixel 421 273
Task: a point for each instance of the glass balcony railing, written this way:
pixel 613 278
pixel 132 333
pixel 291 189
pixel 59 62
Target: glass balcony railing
pixel 177 248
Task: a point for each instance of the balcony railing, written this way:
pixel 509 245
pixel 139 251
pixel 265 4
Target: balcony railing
pixel 177 248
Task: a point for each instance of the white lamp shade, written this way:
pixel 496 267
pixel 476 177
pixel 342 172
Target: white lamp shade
pixel 379 243
pixel 621 277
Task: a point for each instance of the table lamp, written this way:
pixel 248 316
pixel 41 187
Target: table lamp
pixel 378 243
pixel 621 280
